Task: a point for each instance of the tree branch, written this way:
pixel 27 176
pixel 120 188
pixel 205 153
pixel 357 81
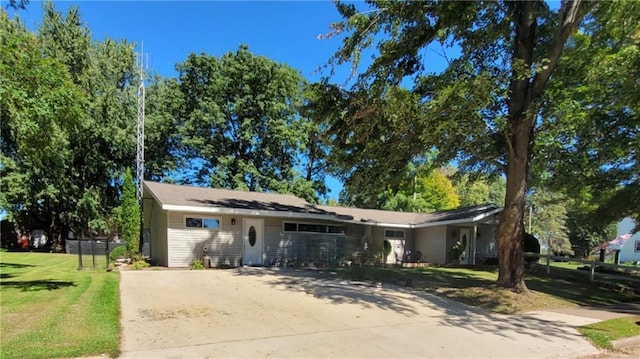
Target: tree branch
pixel 570 15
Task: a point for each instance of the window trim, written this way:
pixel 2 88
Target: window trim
pixel 203 218
pixel 297 223
pixel 637 246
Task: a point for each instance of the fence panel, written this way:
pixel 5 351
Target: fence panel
pixel 95 253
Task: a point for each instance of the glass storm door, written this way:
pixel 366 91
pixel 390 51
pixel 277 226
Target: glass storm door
pixel 465 239
pixel 252 234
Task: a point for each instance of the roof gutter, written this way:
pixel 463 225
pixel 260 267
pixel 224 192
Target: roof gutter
pixel 460 220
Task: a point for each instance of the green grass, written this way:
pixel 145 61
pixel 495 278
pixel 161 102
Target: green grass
pixel 604 333
pixel 52 310
pixel 476 286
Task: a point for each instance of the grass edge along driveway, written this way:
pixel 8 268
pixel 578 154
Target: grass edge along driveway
pixel 50 309
pixel 603 334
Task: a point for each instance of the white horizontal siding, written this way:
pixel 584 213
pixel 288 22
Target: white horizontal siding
pixel 186 244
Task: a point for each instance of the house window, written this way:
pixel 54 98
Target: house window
pixel 290 227
pixel 335 229
pixel 312 228
pixel 202 222
pixel 637 246
pixel 393 234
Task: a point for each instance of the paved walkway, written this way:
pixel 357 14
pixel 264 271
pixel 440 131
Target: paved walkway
pixel 264 313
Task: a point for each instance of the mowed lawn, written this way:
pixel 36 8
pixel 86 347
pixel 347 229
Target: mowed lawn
pixel 52 310
pixel 476 286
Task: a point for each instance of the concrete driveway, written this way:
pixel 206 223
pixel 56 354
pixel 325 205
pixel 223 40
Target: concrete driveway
pixel 258 313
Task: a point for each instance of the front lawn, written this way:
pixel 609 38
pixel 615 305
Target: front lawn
pixel 476 286
pixel 52 310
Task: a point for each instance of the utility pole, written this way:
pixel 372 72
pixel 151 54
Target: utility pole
pixel 140 131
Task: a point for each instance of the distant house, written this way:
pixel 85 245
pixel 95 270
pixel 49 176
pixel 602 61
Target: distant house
pixel 625 247
pixel 627 243
pixel 182 223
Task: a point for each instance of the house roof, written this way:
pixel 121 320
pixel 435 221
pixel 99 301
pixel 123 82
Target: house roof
pixel 191 198
pixel 374 216
pixel 213 200
pixel 614 244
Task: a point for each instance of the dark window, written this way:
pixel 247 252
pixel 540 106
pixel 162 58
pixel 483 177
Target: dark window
pixel 335 229
pixel 637 246
pixel 290 227
pixel 193 222
pixel 252 236
pixel 394 234
pixel 315 228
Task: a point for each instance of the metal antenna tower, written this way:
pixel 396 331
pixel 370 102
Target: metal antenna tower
pixel 140 132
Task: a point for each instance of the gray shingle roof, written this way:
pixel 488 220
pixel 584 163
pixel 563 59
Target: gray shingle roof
pixel 181 195
pixel 204 197
pixel 393 217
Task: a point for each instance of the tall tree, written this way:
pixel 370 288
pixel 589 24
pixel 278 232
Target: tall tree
pixel 42 110
pixel 483 108
pixel 322 101
pixel 549 220
pixel 69 176
pixel 163 142
pixel 475 191
pixel 596 159
pixel 372 142
pixel 241 122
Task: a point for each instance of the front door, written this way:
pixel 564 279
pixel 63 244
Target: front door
pixel 252 234
pixel 396 255
pixel 465 239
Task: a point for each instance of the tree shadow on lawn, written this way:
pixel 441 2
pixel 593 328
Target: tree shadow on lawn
pixel 575 287
pixel 16 265
pixel 37 285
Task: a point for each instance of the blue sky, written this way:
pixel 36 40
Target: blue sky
pixel 285 31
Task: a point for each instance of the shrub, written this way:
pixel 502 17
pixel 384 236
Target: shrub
pixel 197 265
pixel 118 252
pixel 137 265
pixel 456 251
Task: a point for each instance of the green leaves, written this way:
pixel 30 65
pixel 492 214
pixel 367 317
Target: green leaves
pixel 67 132
pixel 241 121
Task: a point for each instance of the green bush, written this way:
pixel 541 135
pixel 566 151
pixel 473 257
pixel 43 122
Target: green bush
pixel 118 252
pixel 197 264
pixel 137 265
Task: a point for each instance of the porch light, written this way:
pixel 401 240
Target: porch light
pixel 233 221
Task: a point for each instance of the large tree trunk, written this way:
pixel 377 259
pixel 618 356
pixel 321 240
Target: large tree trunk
pixel 525 91
pixel 511 227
